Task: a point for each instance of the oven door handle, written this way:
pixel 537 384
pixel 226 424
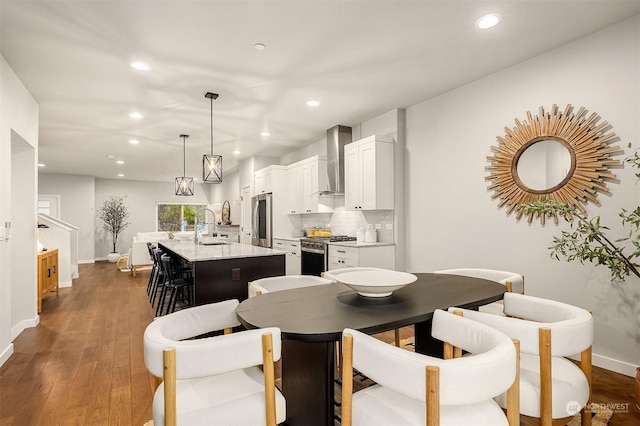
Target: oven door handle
pixel 312 250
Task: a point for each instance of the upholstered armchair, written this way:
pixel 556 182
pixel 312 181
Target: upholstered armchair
pixel 213 380
pixel 416 389
pixel 551 386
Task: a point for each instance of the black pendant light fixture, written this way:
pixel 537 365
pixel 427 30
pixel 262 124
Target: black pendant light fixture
pixel 211 164
pixel 184 184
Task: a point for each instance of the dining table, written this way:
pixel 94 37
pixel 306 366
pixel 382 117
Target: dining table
pixel 311 320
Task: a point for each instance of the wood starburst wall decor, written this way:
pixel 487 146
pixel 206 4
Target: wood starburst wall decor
pixel 589 153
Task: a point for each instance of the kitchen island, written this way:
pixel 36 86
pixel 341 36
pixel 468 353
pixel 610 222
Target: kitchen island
pixel 222 270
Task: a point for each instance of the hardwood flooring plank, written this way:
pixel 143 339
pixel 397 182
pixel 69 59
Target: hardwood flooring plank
pixel 74 417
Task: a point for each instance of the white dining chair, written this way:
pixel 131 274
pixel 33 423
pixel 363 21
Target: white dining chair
pixel 416 389
pixel 551 386
pixel 213 380
pixel 512 280
pixel 284 282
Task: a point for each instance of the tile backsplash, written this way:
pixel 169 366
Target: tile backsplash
pixel 343 222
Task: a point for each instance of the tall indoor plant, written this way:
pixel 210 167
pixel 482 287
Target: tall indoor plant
pixel 114 213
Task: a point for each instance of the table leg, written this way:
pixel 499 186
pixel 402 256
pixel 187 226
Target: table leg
pixel 424 342
pixel 308 382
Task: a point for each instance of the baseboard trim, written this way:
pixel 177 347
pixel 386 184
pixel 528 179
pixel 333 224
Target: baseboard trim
pixel 23 325
pixel 616 365
pixel 86 261
pixel 64 284
pixel 6 353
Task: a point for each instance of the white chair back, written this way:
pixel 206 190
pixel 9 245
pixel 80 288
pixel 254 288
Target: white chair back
pixel 207 356
pixel 517 281
pixel 285 282
pixel 463 381
pixel 571 327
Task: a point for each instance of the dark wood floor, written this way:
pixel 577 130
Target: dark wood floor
pixel 83 365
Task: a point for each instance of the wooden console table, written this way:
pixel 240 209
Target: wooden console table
pixel 47 274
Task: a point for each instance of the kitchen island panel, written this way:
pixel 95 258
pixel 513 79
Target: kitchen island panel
pixel 220 280
pixel 223 271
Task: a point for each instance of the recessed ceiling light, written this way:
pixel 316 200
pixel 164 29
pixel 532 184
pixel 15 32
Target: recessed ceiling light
pixel 265 134
pixel 236 152
pixel 313 103
pixel 120 175
pixel 135 115
pixel 259 46
pixel 140 66
pixel 134 141
pixel 40 164
pixel 488 21
pixel 119 162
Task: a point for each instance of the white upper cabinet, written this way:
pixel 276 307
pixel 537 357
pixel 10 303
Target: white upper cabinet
pixel 269 179
pixel 305 180
pixel 368 169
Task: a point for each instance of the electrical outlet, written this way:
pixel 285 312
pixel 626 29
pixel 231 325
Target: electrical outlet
pixel 378 226
pixel 389 226
pixel 235 274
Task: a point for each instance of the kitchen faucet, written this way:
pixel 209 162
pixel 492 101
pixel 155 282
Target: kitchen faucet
pixel 195 238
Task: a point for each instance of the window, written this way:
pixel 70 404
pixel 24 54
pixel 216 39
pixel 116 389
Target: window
pixel 176 217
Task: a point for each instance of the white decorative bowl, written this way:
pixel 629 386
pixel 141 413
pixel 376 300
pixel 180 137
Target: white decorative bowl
pixel 376 283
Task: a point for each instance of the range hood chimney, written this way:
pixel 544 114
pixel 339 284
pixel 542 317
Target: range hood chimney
pixel 337 138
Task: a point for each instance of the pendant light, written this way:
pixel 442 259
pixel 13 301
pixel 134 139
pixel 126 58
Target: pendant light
pixel 211 164
pixel 184 184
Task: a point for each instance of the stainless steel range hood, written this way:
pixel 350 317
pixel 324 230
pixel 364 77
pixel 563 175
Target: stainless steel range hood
pixel 337 138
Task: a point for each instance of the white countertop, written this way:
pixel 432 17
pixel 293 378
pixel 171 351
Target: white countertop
pixel 360 244
pixel 198 252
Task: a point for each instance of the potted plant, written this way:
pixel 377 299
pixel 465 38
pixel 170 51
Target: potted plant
pixel 114 213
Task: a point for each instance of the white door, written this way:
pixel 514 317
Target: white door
pixel 245 215
pixel 49 205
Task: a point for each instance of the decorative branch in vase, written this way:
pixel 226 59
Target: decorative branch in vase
pixel 588 240
pixel 115 215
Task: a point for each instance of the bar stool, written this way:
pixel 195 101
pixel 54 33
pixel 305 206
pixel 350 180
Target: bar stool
pixel 176 282
pixel 159 278
pixel 154 267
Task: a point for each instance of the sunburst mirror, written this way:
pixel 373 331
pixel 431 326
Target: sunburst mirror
pixel 556 155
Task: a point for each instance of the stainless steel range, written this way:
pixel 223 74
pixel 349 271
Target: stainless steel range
pixel 314 253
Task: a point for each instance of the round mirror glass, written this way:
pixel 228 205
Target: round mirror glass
pixel 544 165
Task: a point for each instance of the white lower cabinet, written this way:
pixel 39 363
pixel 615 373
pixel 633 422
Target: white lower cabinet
pixel 377 256
pixel 292 254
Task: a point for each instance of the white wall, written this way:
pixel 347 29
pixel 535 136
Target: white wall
pixel 452 220
pixel 141 197
pixel 228 190
pixel 77 206
pixel 19 144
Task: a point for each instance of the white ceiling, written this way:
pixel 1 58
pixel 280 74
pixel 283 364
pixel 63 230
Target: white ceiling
pixel 357 58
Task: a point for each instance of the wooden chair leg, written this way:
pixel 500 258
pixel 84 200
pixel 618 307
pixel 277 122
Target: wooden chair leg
pixel 170 413
pixel 396 333
pixel 545 377
pixel 347 380
pixel 585 365
pixel 513 394
pixel 269 379
pixel 433 395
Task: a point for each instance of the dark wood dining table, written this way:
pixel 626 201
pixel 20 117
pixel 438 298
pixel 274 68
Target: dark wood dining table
pixel 311 320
